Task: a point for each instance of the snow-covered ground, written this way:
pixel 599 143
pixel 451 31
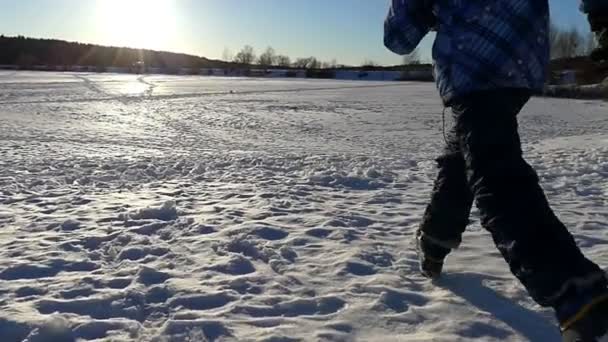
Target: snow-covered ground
pixel 155 208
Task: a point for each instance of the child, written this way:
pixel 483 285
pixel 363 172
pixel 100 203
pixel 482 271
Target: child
pixel 490 57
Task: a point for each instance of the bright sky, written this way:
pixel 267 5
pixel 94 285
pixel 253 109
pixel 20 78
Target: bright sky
pixel 347 30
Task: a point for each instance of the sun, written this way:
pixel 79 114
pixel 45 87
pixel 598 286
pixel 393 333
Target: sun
pixel 146 24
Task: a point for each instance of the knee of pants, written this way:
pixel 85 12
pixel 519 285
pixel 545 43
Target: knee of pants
pixel 451 161
pixel 512 173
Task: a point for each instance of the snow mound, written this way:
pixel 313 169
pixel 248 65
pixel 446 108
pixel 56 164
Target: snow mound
pixel 359 179
pixel 55 330
pixel 166 212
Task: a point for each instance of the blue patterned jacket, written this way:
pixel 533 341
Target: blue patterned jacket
pixel 480 44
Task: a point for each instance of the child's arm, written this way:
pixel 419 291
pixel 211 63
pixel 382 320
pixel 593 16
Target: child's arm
pixel 408 21
pixel 594 6
pixel 597 11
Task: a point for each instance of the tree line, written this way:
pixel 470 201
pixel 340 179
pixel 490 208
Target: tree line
pixel 270 58
pixel 25 52
pixel 564 43
pixel 569 42
pixel 22 51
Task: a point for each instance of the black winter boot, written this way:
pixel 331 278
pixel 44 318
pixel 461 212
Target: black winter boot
pixel 589 323
pixel 430 255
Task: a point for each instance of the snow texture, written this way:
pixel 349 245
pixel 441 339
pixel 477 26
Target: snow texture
pixel 160 208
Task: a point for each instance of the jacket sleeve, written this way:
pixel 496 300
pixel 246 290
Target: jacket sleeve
pixel 593 6
pixel 408 21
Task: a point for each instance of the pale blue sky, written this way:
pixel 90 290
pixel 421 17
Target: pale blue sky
pixel 347 30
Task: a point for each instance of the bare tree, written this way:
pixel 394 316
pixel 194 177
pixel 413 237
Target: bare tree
pixel 314 63
pixel 268 57
pixel 554 33
pixel 567 43
pixel 590 44
pixel 307 63
pixel 246 55
pixel 300 63
pixel 572 41
pixel 412 59
pixel 368 63
pixel 283 61
pixel 227 55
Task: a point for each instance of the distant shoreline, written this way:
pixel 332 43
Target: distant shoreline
pixel 583 92
pixel 354 74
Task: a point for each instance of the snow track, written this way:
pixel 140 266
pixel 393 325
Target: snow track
pixel 187 208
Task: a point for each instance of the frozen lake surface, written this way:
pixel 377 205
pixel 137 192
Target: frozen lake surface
pixel 167 208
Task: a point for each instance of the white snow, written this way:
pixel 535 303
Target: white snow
pixel 165 208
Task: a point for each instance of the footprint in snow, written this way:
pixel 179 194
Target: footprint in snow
pixel 319 233
pixel 398 301
pixel 236 265
pixel 359 269
pixel 272 234
pixel 295 308
pixel 201 302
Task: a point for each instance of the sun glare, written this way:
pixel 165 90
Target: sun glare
pixel 148 24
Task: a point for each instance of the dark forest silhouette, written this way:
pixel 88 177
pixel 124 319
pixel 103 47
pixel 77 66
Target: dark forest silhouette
pixel 26 52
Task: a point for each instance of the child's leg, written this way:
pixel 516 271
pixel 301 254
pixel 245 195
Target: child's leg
pixel 447 215
pixel 538 247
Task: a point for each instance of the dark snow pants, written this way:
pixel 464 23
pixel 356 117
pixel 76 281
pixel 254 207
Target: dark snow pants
pixel 483 163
